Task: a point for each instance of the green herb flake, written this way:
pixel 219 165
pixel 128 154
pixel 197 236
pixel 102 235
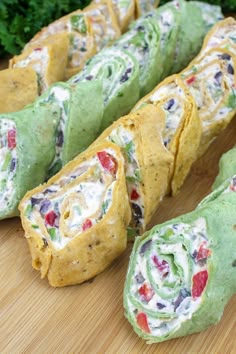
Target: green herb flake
pixel 129 148
pixel 34 226
pixel 6 161
pixel 130 179
pixel 231 103
pixel 138 175
pixel 28 210
pixel 52 233
pixel 105 205
pixel 78 23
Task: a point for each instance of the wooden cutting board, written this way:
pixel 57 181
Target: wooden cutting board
pixel 88 318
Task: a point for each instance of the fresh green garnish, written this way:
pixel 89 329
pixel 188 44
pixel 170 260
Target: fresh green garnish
pixel 129 149
pixel 34 226
pixel 52 233
pixel 138 39
pixel 78 23
pixel 7 161
pixel 231 103
pixel 28 210
pixel 105 205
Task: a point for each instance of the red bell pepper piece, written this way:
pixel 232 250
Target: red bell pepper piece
pixel 203 252
pixel 11 138
pixel 199 283
pixel 162 265
pixel 107 162
pixel 134 195
pixel 146 292
pixel 191 80
pixel 50 218
pixel 87 224
pixel 142 322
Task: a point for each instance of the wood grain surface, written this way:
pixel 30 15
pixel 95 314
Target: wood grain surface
pixel 88 318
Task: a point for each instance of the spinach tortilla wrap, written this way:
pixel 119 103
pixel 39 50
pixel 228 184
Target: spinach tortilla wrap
pixel 119 73
pixel 79 122
pixel 227 167
pixel 176 284
pixel 27 149
pixel 76 223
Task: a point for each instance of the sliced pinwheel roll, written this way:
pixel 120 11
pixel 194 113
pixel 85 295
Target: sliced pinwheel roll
pixel 27 148
pixel 103 22
pixel 227 167
pixel 221 35
pixel 48 59
pixel 212 83
pixel 125 12
pixel 144 6
pixel 176 284
pixel 81 40
pixel 182 131
pixel 147 162
pixel 79 122
pixel 13 81
pixel 143 41
pixel 119 73
pixel 76 223
pixel 210 13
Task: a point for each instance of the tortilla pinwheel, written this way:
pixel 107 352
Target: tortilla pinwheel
pixel 176 284
pixel 119 73
pixel 27 150
pixel 148 164
pixel 76 223
pixel 79 120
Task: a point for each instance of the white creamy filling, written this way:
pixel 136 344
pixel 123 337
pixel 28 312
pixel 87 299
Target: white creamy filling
pixel 89 199
pixel 8 163
pixel 116 62
pixel 172 96
pixel 177 310
pixel 62 97
pixel 124 139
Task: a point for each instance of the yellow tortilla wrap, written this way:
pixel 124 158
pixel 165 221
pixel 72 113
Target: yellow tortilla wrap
pixel 182 125
pixel 18 87
pixel 76 223
pixel 147 162
pixel 47 58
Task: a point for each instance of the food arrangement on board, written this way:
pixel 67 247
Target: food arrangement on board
pixel 93 180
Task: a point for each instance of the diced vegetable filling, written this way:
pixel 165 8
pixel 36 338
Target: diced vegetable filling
pixel 171 98
pixel 60 215
pixel 212 85
pixel 8 161
pixel 125 139
pixel 38 60
pixel 114 67
pixel 168 277
pixel 61 96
